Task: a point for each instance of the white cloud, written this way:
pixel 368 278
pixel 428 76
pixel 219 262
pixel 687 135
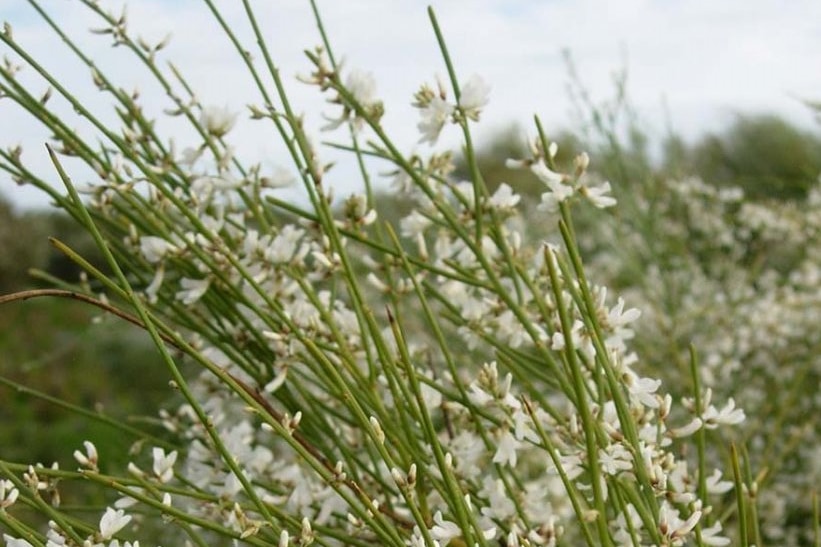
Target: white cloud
pixel 706 59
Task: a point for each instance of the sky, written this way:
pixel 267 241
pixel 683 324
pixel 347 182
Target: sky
pixel 692 65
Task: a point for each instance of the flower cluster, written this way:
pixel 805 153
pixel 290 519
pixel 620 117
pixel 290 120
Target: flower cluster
pixel 743 288
pixel 435 110
pixel 40 479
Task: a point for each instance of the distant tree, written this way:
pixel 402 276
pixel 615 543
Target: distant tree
pixel 18 234
pixel 24 243
pixel 763 154
pixel 62 227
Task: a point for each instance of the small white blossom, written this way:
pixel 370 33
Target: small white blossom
pixel 434 117
pixel 598 195
pixel 710 536
pixel 504 198
pixel 559 191
pixel 192 290
pixel 279 178
pixel 154 249
pixel 89 459
pixel 615 458
pixel 217 121
pixel 444 530
pixel 475 96
pixel 14 542
pixel 499 503
pixel 8 494
pixel 687 430
pixel 671 526
pixel 571 464
pixel 729 415
pixel 414 224
pixel 546 175
pixel 717 486
pixel 506 449
pixel 163 464
pixel 521 426
pixel 643 390
pixel 112 522
pixel 362 86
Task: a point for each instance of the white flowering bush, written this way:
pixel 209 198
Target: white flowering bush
pixel 744 289
pixel 439 379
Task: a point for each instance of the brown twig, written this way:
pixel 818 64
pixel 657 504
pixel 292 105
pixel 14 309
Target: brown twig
pixel 105 306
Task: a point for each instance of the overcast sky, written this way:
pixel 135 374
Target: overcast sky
pixel 700 61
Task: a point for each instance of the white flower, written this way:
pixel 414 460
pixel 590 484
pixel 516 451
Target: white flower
pixel 89 459
pixel 444 530
pixel 474 97
pixel 279 178
pixel 506 448
pixel 231 485
pixel 112 522
pixel 163 464
pixel 729 415
pixel 710 535
pixel 217 121
pixel 598 195
pixel 617 317
pixel 434 116
pixel 54 536
pixel 192 289
pixel 14 542
pixel 8 494
pixel 154 249
pixel 414 224
pixel 687 430
pixel 468 451
pixel 614 459
pixel 717 486
pixel 570 464
pixel 504 198
pixel 362 86
pixel 559 191
pixel 545 174
pixel 508 328
pixel 512 163
pixel 286 246
pixel 671 526
pixel 642 390
pixel 499 503
pixel 521 426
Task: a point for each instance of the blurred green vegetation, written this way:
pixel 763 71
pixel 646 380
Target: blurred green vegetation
pixel 764 155
pixel 67 350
